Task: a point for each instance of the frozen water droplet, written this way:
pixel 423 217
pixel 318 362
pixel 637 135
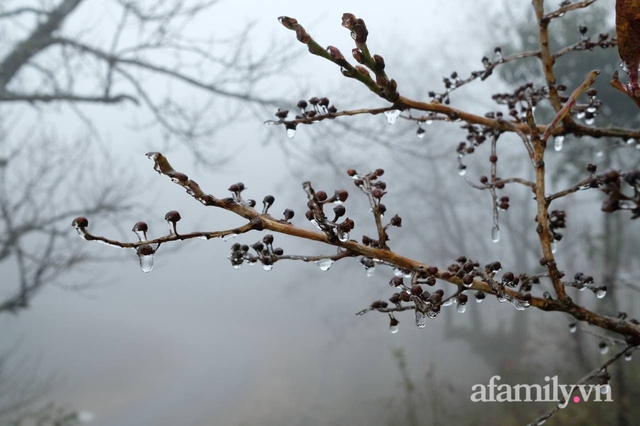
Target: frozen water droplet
pixel 203 237
pixel 432 314
pixel 420 133
pixel 81 233
pixel 267 267
pixel 228 237
pixel 146 262
pixel 392 115
pixel 624 66
pixel 462 308
pixel 558 142
pixel 495 233
pixel 580 115
pixel 601 293
pixel 370 271
pixel 561 14
pixel 462 170
pixel 604 349
pixel 554 246
pixel 407 273
pixel 142 235
pixel 447 302
pixel 343 236
pixel 627 204
pixel 428 122
pixel 237 265
pixel 631 141
pixel 501 297
pixel 573 327
pixel 520 305
pixel 397 272
pixel 592 109
pixel 324 264
pixel 628 356
pixel 479 299
pixel 291 132
pixel 393 328
pixel 589 121
pixel 421 319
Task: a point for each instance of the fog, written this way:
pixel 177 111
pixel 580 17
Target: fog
pixel 196 342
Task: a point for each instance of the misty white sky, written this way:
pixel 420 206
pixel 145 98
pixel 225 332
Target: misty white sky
pixel 197 343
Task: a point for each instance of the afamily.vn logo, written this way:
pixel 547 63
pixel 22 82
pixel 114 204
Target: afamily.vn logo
pixel 551 392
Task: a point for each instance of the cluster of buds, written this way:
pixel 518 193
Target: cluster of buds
pixel 588 111
pixel 382 85
pixel 265 253
pixel 236 191
pixel 312 109
pixel 427 304
pixel 583 282
pixel 333 228
pixel 557 220
pixel 522 98
pixel 375 190
pixel 611 184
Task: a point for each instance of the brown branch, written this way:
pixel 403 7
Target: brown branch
pixel 260 221
pixel 566 108
pixel 545 54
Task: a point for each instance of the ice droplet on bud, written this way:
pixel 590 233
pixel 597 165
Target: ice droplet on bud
pixel 627 356
pixel 604 349
pixel 554 246
pixel 462 170
pixel 393 328
pixel 589 121
pixel 267 267
pixel 462 308
pixel 495 233
pixel 291 132
pixel 601 292
pixel 420 133
pixel 324 264
pixel 573 327
pixel 392 115
pixel 558 142
pixel 421 319
pixel 370 271
pixel 432 314
pixel 145 254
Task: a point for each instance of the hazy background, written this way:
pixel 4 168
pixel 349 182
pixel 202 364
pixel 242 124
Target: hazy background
pixel 196 342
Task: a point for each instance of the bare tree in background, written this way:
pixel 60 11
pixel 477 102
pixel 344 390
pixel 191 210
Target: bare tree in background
pixel 50 55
